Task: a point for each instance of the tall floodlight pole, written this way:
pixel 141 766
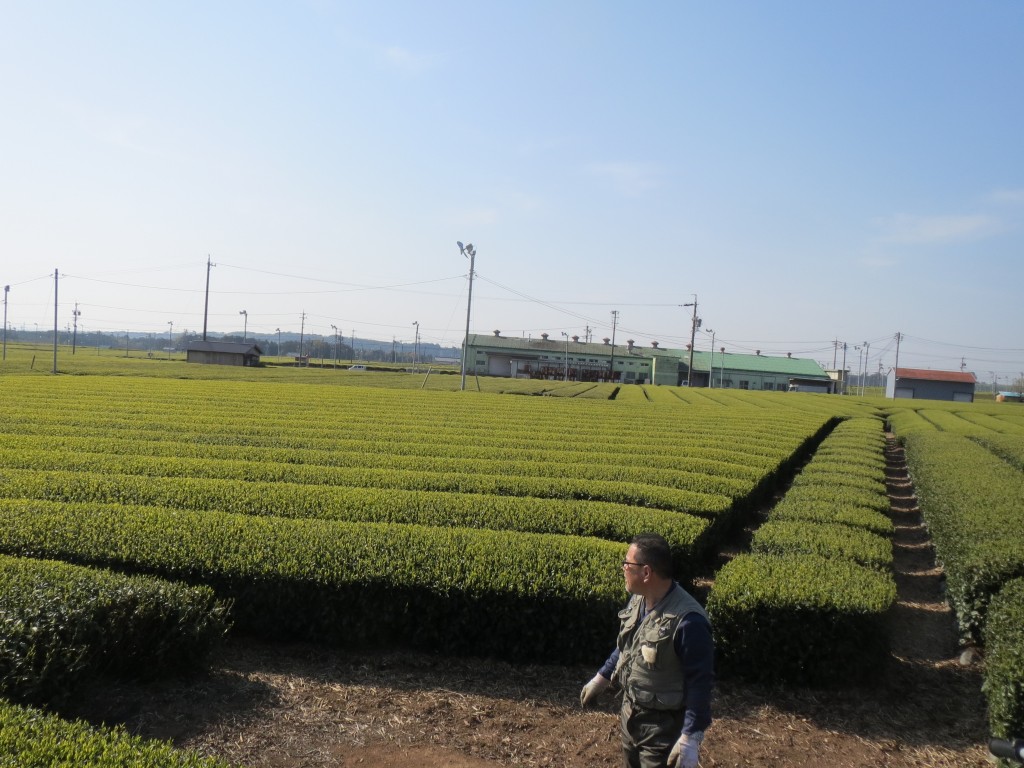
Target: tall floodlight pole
pixel 206 302
pixel 278 341
pixel 566 376
pixel 302 333
pixel 335 344
pixel 711 365
pixel 7 289
pixel 170 342
pixel 245 323
pixel 467 250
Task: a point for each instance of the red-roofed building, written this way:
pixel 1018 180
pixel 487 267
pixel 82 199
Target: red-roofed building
pixel 926 384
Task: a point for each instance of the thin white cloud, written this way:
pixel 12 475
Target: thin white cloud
pixel 629 179
pixel 936 230
pixel 878 262
pixel 474 217
pixel 120 130
pixel 406 61
pixel 1008 196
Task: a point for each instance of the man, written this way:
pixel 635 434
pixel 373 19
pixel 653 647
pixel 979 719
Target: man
pixel 663 661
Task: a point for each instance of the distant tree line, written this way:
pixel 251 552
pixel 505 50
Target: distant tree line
pixel 314 346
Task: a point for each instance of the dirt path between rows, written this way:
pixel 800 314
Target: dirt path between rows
pixel 300 706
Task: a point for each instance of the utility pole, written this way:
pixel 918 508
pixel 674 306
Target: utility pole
pixel 867 349
pixel 170 340
pixel 55 276
pixel 611 362
pixel 565 376
pixel 74 336
pixel 353 345
pixel 693 335
pixel 206 302
pixel 7 288
pixel 844 367
pixel 416 347
pixel 896 367
pixel 302 333
pixel 711 365
pixel 278 341
pixel 859 348
pixel 335 344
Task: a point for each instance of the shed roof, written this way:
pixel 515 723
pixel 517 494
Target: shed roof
pixel 764 364
pixel 557 345
pixel 237 347
pixel 927 374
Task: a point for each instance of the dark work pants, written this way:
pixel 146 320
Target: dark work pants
pixel 648 735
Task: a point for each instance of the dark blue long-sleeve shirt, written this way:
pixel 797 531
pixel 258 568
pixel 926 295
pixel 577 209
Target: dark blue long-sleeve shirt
pixel 696 650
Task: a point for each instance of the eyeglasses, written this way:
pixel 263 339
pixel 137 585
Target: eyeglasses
pixel 626 563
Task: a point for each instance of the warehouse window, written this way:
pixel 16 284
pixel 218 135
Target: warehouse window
pixel 744 384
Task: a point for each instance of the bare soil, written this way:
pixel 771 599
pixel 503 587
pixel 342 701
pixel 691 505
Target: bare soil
pixel 303 706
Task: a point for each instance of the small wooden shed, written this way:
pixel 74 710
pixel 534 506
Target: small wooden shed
pixel 224 353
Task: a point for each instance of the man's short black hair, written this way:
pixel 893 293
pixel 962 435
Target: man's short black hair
pixel 654 551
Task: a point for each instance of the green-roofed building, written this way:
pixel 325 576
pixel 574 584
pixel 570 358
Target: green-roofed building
pixel 571 359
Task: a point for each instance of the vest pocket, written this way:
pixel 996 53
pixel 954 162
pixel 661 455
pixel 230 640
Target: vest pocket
pixel 661 700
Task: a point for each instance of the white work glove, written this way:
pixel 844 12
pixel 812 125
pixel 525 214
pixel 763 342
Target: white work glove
pixel 593 689
pixel 684 753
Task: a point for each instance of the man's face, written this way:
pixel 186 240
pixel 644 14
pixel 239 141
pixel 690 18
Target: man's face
pixel 633 571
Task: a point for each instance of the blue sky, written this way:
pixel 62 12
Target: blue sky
pixel 810 171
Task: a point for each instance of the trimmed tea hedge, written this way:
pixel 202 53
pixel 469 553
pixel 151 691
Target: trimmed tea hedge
pixel 807 606
pixel 474 592
pixel 800 619
pixel 832 540
pixel 970 500
pixel 685 533
pixel 1004 661
pixel 32 739
pixel 60 623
